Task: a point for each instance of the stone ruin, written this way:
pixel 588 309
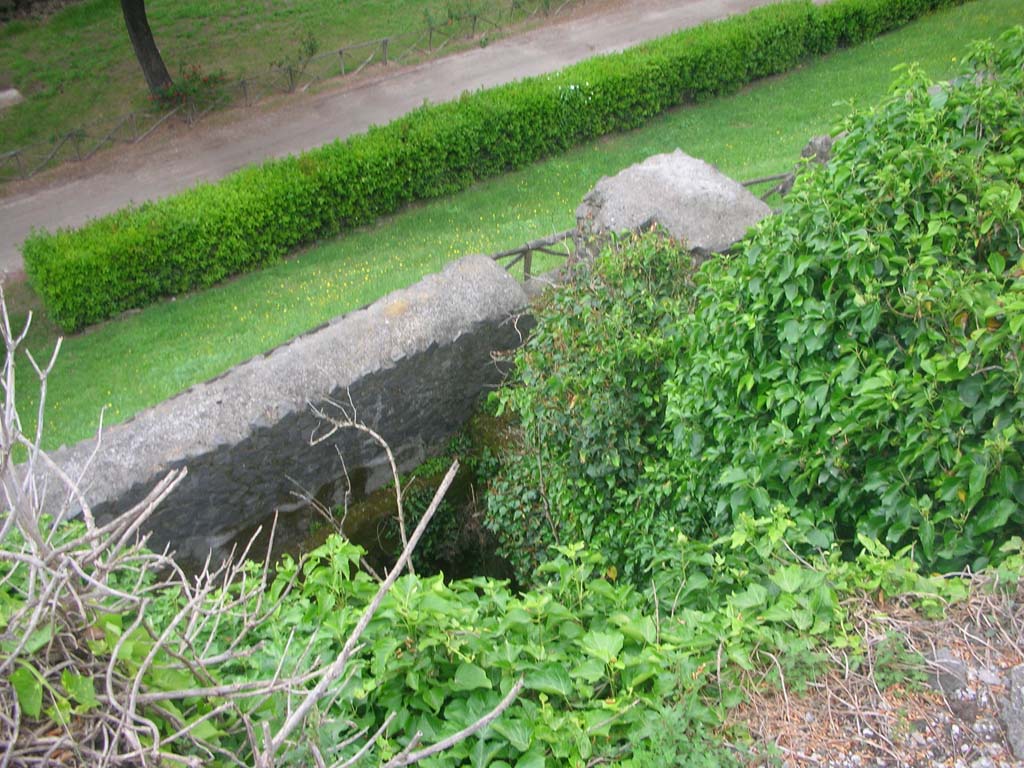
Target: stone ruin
pixel 690 199
pixel 413 365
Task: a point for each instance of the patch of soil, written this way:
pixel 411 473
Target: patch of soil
pixel 31 9
pixel 928 693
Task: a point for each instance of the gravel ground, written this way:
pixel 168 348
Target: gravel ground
pixel 953 679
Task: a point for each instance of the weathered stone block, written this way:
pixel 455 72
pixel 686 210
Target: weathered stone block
pixel 691 199
pixel 414 365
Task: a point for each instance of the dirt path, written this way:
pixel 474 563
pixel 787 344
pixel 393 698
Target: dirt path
pixel 71 196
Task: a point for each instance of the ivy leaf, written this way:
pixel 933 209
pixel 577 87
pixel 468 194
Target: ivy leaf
pixel 29 689
pixel 469 677
pixel 976 483
pixel 589 671
pixel 603 645
pixel 753 596
pixel 532 760
pixel 81 689
pixel 789 579
pixel 927 533
pixel 433 697
pixel 518 732
pixel 552 678
pixel 939 98
pixel 995 516
pixel 970 391
pixel 483 752
pixel 207 731
pixel 733 475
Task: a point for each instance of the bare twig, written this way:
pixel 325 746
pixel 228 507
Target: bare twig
pixel 349 420
pixel 406 757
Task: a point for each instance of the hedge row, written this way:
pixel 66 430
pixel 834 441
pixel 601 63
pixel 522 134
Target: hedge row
pixel 256 216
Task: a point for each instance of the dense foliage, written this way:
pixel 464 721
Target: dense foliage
pixel 587 395
pixel 610 673
pixel 857 360
pixel 134 256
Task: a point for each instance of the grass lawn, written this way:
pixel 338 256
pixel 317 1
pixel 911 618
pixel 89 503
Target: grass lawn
pixel 132 363
pixel 77 67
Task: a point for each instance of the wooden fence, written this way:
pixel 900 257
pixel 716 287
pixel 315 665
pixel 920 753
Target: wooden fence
pixel 438 34
pixel 524 253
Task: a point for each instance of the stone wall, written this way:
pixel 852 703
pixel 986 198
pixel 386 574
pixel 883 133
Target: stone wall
pixel 414 365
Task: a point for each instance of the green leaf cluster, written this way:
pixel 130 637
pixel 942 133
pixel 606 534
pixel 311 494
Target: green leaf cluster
pixel 856 359
pixel 859 359
pixel 440 655
pixel 252 218
pixel 611 674
pixel 587 393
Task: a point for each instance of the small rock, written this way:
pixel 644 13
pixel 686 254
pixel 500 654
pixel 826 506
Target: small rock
pixel 947 673
pixel 965 709
pixel 989 677
pixel 1012 712
pixel 818 149
pixel 983 762
pixel 691 199
pixel 10 97
pixel 987 729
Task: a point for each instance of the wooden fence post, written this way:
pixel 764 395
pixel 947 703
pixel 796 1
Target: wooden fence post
pixel 341 57
pixel 527 265
pixel 384 49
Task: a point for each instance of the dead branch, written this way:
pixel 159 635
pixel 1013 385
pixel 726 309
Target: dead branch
pixel 65 582
pixel 348 419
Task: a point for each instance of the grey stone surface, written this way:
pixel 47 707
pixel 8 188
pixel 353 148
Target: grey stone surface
pixel 690 198
pixel 414 364
pixel 818 149
pixel 1012 712
pixel 9 97
pixel 947 672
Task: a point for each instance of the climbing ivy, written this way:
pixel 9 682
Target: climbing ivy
pixel 856 359
pixel 859 360
pixel 587 393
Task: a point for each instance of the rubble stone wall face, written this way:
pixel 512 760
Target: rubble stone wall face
pixel 414 365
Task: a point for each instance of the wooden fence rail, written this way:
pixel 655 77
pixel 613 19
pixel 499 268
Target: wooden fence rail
pixel 524 253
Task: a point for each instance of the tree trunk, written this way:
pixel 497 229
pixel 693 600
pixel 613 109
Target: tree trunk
pixel 157 77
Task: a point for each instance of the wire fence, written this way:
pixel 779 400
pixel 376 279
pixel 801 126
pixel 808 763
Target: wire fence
pixel 441 31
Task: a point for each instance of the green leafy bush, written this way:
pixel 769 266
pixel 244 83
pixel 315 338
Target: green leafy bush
pixel 603 664
pixel 192 240
pixel 600 664
pixel 587 394
pixel 857 360
pixel 860 360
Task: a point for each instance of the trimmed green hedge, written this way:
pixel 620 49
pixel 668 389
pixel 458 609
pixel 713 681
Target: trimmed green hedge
pixel 256 216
